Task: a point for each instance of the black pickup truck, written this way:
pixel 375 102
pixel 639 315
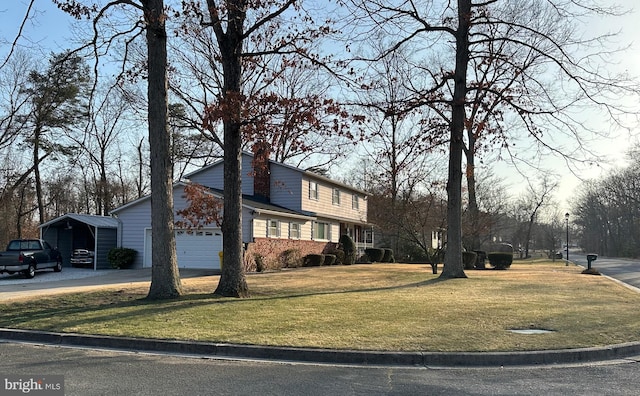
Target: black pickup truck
pixel 28 256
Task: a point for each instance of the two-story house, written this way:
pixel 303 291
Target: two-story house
pixel 283 208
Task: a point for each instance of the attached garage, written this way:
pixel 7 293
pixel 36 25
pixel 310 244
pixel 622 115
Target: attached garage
pixel 194 249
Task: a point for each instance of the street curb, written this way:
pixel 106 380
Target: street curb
pixel 313 355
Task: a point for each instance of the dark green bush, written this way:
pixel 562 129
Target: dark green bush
pixel 388 256
pixel 364 259
pixel 259 260
pixel 482 256
pixel 336 251
pixel 339 256
pixel 469 259
pixel 291 258
pixel 313 260
pixel 329 259
pixel 375 254
pixel 500 260
pixel 121 257
pixel 349 248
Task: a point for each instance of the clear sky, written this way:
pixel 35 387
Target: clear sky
pixel 50 30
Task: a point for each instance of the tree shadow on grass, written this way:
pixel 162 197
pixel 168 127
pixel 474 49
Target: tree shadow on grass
pixel 71 311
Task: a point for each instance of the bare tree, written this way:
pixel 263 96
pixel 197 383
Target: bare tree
pixel 514 47
pixel 274 28
pixel 607 211
pixel 530 205
pixel 165 279
pixel 19 34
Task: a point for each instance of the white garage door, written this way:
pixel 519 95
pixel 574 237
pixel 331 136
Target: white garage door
pixel 195 249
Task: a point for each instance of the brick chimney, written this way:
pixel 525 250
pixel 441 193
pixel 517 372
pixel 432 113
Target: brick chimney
pixel 261 170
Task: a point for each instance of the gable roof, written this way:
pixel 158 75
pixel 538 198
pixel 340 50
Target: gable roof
pixel 248 202
pixel 92 220
pixel 261 207
pixel 302 171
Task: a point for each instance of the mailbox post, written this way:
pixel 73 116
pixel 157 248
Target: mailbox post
pixel 591 257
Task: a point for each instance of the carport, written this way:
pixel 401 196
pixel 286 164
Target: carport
pixel 98 234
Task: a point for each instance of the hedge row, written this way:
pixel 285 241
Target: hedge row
pixel 379 255
pixel 500 260
pixel 316 260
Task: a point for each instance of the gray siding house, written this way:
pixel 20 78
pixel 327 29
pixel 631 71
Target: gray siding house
pixel 283 208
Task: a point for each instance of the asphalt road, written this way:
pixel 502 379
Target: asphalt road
pixel 98 372
pixel 623 270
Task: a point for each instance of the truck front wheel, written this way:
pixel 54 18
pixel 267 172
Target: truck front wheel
pixel 58 266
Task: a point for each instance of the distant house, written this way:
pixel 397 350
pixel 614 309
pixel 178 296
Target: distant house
pixel 283 208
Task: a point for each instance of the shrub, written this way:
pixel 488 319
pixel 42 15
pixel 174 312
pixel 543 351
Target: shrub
pixel 469 259
pixel 482 256
pixel 375 254
pixel 121 257
pixel 388 256
pixel 500 260
pixel 339 256
pixel 349 248
pixel 259 260
pixel 329 259
pixel 291 258
pixel 313 260
pixel 364 259
pixel 334 248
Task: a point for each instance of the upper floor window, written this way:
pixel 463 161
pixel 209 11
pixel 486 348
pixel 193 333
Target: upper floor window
pixel 313 190
pixel 336 196
pixel 294 230
pixel 355 202
pixel 273 228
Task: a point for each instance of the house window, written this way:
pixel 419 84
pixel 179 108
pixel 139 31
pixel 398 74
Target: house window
pixel 294 230
pixel 313 190
pixel 355 202
pixel 322 230
pixel 336 196
pixel 273 228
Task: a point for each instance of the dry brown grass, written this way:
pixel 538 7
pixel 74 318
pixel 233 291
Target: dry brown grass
pixel 372 307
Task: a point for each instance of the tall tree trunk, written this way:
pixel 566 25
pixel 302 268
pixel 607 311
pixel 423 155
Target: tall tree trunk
pixel 232 281
pixel 165 278
pixel 453 266
pixel 474 211
pixel 36 174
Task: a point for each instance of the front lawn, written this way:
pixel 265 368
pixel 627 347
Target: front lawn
pixel 370 307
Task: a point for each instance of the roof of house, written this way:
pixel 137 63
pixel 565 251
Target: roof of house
pixel 305 172
pixel 92 220
pixel 249 202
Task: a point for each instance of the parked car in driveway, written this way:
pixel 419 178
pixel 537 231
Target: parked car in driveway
pixel 82 258
pixel 28 256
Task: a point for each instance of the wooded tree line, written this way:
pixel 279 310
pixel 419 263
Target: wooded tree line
pixel 608 212
pixel 409 87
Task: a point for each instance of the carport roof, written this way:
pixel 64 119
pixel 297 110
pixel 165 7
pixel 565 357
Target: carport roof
pixel 92 220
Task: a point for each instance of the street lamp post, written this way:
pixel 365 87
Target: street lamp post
pixel 566 217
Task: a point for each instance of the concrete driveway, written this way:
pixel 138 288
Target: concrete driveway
pixel 79 279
